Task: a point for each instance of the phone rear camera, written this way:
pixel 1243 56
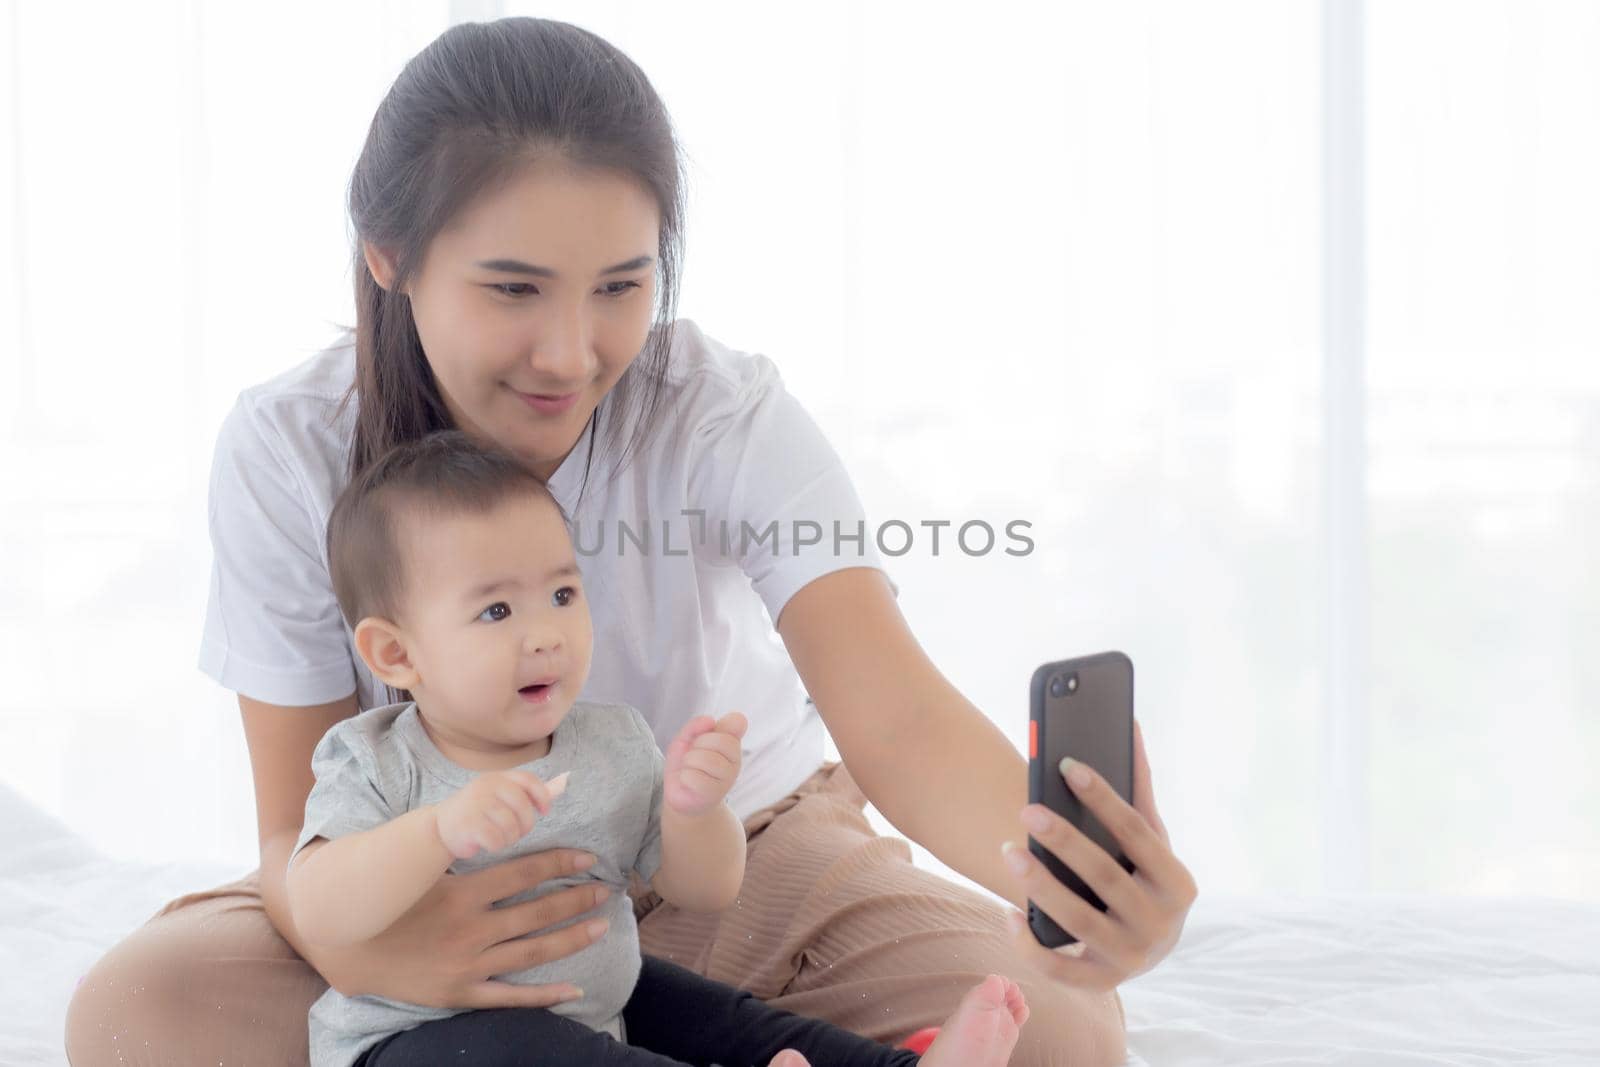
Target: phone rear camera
pixel 1072 683
pixel 1058 686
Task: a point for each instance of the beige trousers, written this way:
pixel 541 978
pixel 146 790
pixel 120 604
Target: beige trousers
pixel 833 922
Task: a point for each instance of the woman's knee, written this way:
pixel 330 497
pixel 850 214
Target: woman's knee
pixel 1070 1028
pixel 194 988
pixel 125 1006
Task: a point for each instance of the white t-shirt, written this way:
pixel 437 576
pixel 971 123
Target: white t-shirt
pixel 682 627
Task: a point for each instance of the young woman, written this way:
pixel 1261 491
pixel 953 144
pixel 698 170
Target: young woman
pixel 518 215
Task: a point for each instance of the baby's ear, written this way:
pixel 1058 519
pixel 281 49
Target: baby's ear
pixel 382 646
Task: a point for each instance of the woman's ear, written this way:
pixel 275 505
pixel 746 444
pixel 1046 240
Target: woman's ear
pixel 380 263
pixel 382 645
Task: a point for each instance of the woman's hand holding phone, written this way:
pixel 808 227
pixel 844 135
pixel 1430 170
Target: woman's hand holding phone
pixel 1145 910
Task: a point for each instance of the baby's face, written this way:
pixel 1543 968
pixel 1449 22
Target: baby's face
pixel 496 607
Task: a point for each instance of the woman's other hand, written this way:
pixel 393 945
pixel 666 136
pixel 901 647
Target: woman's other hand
pixel 1145 910
pixel 446 950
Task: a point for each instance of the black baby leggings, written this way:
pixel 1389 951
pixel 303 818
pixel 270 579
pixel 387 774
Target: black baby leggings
pixel 674 1017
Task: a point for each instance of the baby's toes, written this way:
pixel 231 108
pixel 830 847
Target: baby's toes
pixel 991 992
pixel 1016 1003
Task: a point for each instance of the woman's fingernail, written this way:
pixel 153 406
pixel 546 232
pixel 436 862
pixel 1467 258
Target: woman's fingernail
pixel 1035 819
pixel 1077 774
pixel 598 927
pixel 573 994
pixel 1016 922
pixel 1014 857
pixel 584 862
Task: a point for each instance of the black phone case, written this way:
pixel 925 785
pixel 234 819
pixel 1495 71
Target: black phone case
pixel 1101 679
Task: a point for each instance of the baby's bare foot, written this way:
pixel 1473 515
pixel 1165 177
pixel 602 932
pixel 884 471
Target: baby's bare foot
pixel 983 1030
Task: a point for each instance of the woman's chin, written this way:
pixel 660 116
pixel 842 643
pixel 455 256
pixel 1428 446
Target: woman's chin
pixel 534 447
pixel 540 452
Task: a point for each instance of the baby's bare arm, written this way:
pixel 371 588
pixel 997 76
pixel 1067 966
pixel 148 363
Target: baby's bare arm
pixel 702 858
pixel 346 890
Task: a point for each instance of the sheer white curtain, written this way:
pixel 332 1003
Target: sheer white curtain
pixel 1053 263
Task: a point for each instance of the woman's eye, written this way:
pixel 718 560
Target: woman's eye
pixel 501 607
pixel 564 596
pixel 505 288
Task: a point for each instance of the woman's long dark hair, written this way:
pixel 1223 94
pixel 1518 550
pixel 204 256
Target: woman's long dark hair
pixel 480 102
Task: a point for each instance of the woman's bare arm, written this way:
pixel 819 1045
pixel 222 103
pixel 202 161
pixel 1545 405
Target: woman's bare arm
pixel 920 751
pixel 281 739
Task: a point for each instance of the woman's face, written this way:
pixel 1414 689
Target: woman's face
pixel 544 287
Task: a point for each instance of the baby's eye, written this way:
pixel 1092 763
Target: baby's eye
pixel 564 596
pixel 500 605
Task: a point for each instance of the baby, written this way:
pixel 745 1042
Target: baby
pixel 454 567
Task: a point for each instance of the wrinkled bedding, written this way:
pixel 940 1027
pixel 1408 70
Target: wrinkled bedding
pixel 1367 981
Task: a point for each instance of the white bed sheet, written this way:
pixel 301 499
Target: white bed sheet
pixel 1368 981
pixel 1376 981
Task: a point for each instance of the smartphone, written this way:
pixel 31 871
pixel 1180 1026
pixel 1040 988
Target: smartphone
pixel 1081 708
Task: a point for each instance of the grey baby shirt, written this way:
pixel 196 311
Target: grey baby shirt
pixel 381 763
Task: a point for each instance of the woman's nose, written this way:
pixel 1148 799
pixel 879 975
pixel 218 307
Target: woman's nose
pixel 562 353
pixel 561 367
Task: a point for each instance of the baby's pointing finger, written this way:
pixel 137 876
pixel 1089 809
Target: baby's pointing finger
pixel 537 790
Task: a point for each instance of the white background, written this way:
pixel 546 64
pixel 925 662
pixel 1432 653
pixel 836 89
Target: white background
pixel 1058 263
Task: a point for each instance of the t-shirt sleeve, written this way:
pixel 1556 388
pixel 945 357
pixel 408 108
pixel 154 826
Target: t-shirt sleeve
pixel 766 474
pixel 273 631
pixel 649 858
pixel 345 798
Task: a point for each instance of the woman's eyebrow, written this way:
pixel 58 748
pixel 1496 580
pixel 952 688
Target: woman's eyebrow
pixel 516 266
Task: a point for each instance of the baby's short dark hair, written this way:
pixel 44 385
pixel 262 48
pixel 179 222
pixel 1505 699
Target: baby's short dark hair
pixel 441 475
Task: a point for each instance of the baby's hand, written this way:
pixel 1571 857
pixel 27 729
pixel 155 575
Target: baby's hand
pixel 702 762
pixel 494 811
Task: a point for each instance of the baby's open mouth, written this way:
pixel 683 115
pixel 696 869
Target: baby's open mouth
pixel 536 689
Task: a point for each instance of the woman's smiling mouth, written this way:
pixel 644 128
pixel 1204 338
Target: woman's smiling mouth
pixel 547 405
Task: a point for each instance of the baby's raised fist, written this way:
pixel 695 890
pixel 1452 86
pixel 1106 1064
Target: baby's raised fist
pixel 702 763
